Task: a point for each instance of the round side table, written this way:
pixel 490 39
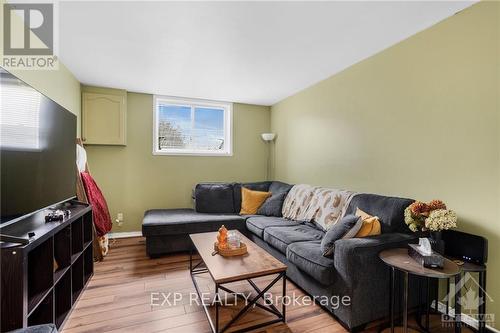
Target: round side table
pixel 399 259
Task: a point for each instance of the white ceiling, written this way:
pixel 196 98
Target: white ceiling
pixel 249 52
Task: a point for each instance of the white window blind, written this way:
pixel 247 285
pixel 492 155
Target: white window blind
pixel 19 116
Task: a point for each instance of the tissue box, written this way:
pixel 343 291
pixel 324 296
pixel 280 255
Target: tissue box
pixel 434 260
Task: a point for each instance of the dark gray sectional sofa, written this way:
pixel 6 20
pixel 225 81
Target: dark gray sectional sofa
pixel 354 271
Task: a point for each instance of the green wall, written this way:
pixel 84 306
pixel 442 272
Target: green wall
pixel 134 180
pixel 420 119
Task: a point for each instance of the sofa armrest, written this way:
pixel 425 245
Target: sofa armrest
pixel 355 255
pixel 362 276
pixel 378 243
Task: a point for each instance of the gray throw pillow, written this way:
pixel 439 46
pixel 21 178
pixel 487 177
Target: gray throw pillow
pixel 272 206
pixel 347 227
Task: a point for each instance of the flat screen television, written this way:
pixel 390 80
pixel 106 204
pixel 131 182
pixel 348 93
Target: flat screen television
pixel 37 150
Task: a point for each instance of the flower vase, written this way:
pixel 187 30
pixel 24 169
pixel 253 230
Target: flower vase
pixel 437 241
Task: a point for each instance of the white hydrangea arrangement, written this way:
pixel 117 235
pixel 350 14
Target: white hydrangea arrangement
pixel 441 219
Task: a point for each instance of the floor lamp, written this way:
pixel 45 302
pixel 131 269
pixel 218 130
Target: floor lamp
pixel 268 139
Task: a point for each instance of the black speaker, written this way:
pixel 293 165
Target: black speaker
pixel 464 246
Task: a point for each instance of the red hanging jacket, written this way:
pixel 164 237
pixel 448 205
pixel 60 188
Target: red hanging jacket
pixel 100 211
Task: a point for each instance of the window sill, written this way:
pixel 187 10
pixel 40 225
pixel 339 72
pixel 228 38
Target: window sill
pixel 192 153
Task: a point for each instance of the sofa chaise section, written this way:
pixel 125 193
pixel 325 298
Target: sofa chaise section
pixel 215 204
pixel 167 230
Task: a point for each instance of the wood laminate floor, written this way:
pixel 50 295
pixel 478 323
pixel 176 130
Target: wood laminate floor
pixel 118 298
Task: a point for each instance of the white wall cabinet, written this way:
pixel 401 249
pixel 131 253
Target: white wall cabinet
pixel 104 118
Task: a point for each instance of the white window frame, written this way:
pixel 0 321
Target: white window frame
pixel 193 103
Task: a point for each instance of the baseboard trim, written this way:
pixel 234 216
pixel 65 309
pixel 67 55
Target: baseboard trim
pixel 115 235
pixel 465 318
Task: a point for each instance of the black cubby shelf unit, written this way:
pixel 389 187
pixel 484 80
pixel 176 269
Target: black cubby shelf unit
pixel 88 229
pixel 76 240
pixel 41 281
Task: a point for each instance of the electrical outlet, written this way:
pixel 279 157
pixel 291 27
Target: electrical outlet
pixel 119 219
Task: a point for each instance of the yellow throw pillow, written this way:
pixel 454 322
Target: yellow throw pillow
pixel 371 225
pixel 252 200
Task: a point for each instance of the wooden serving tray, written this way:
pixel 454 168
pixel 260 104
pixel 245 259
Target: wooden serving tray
pixel 231 252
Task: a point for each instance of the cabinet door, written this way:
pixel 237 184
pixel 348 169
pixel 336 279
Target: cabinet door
pixel 104 119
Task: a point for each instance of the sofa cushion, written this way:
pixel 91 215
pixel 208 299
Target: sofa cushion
pixel 186 221
pixel 255 186
pixel 214 198
pixel 307 257
pixel 257 224
pixel 281 237
pixel 272 206
pixel 389 210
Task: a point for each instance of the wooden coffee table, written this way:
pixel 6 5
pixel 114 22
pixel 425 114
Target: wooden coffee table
pixel 256 263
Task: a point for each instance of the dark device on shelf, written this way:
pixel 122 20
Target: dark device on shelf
pixel 465 246
pixel 434 260
pixel 56 215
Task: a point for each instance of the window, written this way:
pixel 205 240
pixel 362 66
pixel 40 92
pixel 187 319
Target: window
pixel 191 127
pixel 19 116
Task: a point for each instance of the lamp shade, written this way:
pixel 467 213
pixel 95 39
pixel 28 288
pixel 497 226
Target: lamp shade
pixel 268 136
